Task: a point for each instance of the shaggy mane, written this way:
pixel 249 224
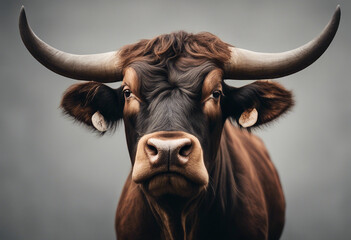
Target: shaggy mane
pixel 195 48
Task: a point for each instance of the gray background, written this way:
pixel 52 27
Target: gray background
pixel 60 181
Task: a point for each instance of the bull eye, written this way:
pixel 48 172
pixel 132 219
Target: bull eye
pixel 216 94
pixel 127 93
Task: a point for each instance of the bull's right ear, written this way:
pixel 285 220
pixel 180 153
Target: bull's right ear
pixel 94 104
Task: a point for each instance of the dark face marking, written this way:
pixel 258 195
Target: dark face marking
pixel 178 98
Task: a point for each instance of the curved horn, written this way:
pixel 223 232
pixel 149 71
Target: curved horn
pixel 248 65
pixel 98 67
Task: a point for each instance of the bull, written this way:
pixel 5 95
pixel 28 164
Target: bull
pixel 197 170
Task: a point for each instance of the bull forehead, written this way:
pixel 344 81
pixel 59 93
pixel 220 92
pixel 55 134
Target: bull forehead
pixel 174 112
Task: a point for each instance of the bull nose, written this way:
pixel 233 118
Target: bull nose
pixel 168 151
pixel 173 152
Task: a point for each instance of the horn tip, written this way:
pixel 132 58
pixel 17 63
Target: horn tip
pixel 22 11
pixel 22 16
pixel 338 11
pixel 22 22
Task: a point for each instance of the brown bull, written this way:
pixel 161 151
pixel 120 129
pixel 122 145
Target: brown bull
pixel 196 172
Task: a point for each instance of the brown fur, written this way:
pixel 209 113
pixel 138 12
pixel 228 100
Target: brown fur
pixel 195 48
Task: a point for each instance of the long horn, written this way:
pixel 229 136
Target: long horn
pixel 102 67
pixel 248 65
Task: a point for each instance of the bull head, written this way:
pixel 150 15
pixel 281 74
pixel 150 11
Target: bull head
pixel 173 100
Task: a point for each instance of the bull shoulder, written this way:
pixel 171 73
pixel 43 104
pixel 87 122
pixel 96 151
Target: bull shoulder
pixel 259 191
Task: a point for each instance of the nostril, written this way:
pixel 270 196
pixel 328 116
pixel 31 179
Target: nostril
pixel 152 150
pixel 185 150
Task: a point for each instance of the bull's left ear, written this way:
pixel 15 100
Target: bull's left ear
pixel 257 103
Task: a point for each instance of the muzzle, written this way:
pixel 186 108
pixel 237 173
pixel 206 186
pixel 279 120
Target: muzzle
pixel 170 162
